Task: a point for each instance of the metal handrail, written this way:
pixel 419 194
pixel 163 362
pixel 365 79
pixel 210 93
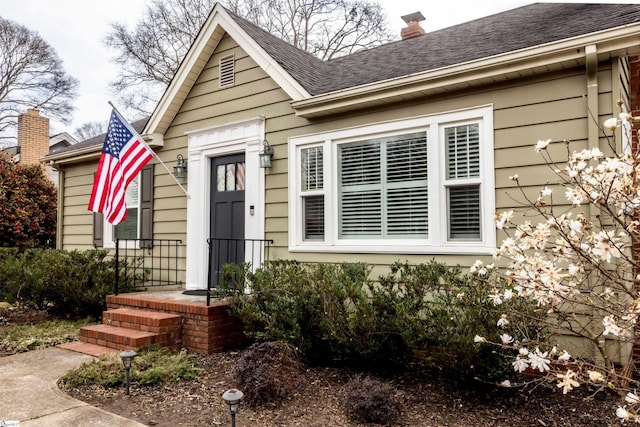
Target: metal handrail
pixel 253 252
pixel 146 262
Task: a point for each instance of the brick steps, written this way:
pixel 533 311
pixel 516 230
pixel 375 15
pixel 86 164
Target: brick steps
pixel 139 320
pixel 129 328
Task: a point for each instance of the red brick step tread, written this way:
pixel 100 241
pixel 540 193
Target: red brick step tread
pixel 119 338
pixel 131 317
pixel 86 348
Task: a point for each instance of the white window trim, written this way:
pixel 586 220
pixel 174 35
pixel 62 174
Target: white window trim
pixel 108 240
pixel 436 243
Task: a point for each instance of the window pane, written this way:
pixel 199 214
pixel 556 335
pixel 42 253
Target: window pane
pixel 360 214
pixel 312 169
pixel 127 229
pixel 407 158
pixel 220 178
pixel 240 176
pixel 408 212
pixel 314 218
pixel 230 177
pixel 360 163
pixel 463 151
pixel 464 212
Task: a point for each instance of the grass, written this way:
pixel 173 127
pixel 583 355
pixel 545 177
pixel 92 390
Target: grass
pixel 152 366
pixel 21 338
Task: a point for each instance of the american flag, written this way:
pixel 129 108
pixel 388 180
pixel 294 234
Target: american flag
pixel 124 154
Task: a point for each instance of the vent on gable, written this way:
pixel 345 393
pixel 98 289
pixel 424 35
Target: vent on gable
pixel 227 71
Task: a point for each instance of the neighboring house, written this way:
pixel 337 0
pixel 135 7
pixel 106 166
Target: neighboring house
pixel 400 152
pixel 34 142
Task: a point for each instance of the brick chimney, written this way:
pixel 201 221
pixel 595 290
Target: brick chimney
pixel 413 28
pixel 33 137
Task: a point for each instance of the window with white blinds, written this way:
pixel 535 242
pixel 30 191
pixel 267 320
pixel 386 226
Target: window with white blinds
pixel 312 185
pixel 128 229
pixel 383 188
pixel 419 185
pixel 462 157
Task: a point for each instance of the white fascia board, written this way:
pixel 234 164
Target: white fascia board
pixel 612 40
pixel 218 22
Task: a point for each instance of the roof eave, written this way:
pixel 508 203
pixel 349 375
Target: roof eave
pixel 75 156
pixel 566 53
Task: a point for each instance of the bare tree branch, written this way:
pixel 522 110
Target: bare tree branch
pixel 31 76
pixel 149 54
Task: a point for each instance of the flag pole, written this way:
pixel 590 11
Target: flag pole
pixel 156 156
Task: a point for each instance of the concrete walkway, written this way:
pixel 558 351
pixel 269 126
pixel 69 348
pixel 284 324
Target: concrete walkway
pixel 29 393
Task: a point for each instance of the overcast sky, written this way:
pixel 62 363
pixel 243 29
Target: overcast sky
pixel 76 29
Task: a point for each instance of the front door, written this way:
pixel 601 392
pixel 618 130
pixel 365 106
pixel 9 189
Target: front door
pixel 227 213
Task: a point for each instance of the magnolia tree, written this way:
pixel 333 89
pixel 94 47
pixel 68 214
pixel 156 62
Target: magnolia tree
pixel 579 263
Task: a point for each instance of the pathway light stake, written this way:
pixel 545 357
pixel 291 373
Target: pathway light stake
pixel 232 397
pixel 127 358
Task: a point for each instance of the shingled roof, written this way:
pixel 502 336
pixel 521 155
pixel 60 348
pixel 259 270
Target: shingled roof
pixel 138 125
pixel 520 28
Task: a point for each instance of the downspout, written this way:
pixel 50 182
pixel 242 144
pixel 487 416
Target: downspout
pixel 59 208
pixel 593 131
pixel 593 136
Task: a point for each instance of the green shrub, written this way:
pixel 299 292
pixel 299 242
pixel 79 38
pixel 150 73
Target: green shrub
pixel 335 313
pixel 440 310
pixel 70 284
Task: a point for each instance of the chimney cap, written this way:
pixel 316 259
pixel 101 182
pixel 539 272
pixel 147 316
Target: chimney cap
pixel 413 17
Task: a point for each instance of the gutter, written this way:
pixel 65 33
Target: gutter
pixel 620 41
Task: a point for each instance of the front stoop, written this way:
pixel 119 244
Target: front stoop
pixel 130 329
pixel 204 329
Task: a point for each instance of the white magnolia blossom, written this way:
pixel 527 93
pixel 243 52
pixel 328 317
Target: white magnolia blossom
pixel 595 377
pixel 520 364
pixel 546 191
pixel 505 383
pixel 611 124
pixel 538 360
pixel 503 321
pixel 542 144
pixel 610 326
pixel 622 413
pixel 564 357
pixel 506 339
pixel 479 339
pixel 632 398
pixel 567 381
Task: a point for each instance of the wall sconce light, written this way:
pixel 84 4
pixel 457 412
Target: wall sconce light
pixel 265 155
pixel 127 358
pixel 180 168
pixel 232 397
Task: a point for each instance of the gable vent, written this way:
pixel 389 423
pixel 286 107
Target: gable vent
pixel 227 71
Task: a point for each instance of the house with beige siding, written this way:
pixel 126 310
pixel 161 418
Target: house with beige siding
pixel 400 152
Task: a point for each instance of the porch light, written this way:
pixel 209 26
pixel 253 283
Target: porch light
pixel 127 358
pixel 232 397
pixel 180 168
pixel 265 155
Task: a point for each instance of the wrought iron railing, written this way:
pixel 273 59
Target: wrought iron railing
pixel 250 252
pixel 143 263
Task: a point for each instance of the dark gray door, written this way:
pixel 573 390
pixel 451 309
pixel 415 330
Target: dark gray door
pixel 227 213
